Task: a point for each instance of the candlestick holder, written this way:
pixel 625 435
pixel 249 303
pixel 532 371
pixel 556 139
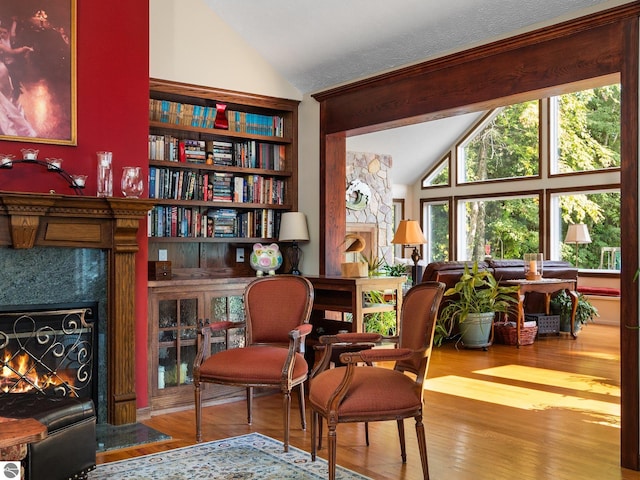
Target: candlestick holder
pixel 533 264
pixel 53 165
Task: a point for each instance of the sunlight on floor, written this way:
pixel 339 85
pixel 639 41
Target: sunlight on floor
pixel 605 413
pixel 600 355
pixel 553 378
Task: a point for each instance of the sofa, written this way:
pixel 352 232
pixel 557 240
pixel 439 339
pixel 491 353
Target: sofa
pixel 449 273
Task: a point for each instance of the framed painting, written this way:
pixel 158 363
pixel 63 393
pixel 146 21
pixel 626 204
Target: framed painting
pixel 38 71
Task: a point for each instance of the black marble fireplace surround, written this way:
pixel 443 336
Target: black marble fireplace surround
pixel 45 277
pixel 101 234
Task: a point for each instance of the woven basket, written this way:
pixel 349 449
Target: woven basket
pixel 508 334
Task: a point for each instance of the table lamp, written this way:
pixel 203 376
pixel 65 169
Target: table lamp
pixel 409 233
pixel 577 233
pixel 293 228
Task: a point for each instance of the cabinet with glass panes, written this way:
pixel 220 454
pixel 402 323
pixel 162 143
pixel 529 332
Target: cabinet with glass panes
pixel 176 309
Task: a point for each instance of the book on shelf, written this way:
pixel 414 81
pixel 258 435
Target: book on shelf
pixel 201 116
pixel 195 222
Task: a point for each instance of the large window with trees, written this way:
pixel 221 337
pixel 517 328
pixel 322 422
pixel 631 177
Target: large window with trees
pixel 435 220
pixel 585 130
pixel 505 145
pixel 544 143
pixel 501 227
pixel 599 210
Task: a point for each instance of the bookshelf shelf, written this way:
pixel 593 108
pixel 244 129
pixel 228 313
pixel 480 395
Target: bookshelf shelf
pixel 219 133
pixel 219 168
pixel 217 188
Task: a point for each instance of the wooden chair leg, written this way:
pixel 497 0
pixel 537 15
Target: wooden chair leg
pixel 303 417
pixel 287 414
pixel 198 400
pixel 403 448
pixel 422 447
pixel 320 420
pixel 366 432
pixel 314 434
pixel 249 405
pixel 332 440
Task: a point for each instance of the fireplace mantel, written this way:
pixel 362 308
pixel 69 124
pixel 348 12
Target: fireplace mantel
pixel 111 224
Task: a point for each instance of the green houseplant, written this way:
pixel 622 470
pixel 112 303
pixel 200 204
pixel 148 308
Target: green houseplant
pixel 585 312
pixel 475 299
pixel 379 322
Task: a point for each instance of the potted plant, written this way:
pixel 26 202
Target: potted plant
pixel 475 299
pixel 585 312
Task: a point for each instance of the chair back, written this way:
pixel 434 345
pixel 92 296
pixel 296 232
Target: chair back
pixel 417 326
pixel 274 306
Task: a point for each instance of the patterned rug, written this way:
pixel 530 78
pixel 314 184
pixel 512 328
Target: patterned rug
pixel 253 456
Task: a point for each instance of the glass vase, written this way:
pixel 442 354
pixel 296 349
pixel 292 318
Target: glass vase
pixel 533 266
pixel 105 174
pixel 131 182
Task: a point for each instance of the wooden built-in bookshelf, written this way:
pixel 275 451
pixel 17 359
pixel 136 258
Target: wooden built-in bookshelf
pixel 218 189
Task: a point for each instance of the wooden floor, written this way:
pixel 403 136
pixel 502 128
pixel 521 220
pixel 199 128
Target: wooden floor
pixel 546 411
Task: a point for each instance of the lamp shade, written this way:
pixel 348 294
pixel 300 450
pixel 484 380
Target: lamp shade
pixel 409 233
pixel 577 233
pixel 293 227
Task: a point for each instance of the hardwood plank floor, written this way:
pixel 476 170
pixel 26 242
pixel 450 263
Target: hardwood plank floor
pixel 550 410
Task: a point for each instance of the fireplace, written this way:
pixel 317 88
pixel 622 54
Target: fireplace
pixel 98 235
pixel 49 350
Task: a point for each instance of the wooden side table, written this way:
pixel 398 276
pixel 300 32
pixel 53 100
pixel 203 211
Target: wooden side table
pixel 16 433
pixel 345 294
pixel 546 286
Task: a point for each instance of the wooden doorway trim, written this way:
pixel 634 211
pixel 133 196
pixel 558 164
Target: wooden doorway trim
pixel 511 70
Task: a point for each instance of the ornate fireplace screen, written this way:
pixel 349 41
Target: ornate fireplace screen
pixel 48 352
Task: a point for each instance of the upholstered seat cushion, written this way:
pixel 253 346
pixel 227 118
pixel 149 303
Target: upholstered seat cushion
pixel 373 391
pixel 258 365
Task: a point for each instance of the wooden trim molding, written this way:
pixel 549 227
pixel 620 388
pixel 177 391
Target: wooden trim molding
pixel 28 220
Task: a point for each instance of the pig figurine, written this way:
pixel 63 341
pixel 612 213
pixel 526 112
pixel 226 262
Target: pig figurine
pixel 265 259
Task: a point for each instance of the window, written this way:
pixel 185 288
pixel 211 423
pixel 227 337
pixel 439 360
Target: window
pixel 439 176
pixel 505 145
pixel 506 227
pixel 435 218
pixel 398 214
pixel 600 211
pixel 585 130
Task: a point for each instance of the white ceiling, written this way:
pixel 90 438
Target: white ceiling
pixel 318 44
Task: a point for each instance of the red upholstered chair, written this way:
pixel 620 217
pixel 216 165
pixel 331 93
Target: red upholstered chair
pixel 361 393
pixel 277 310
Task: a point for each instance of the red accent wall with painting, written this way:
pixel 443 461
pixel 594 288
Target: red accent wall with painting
pixel 112 59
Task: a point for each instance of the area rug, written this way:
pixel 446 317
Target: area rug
pixel 253 456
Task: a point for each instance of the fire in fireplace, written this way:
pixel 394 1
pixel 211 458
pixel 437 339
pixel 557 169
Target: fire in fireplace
pixel 49 349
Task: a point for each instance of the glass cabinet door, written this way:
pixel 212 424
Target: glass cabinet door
pixel 227 309
pixel 177 331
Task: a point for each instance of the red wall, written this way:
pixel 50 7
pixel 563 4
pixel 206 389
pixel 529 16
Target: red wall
pixel 112 114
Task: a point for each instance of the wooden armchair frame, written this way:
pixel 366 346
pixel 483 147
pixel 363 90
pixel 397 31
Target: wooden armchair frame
pixel 359 392
pixel 277 313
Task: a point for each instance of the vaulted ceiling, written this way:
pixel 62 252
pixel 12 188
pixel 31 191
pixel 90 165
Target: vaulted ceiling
pixel 318 44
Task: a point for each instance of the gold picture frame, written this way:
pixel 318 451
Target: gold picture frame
pixel 38 71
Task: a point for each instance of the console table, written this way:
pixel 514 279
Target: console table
pixel 546 286
pixel 342 294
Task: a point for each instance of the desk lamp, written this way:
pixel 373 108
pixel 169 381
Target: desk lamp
pixel 409 233
pixel 293 228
